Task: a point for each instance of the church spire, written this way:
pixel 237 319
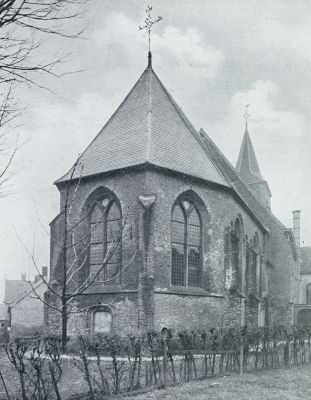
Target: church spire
pixel 248 168
pixel 149 22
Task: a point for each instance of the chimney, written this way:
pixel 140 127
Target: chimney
pixel 44 272
pixel 23 276
pixel 296 226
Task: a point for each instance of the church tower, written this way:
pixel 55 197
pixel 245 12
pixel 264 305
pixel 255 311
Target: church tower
pixel 248 170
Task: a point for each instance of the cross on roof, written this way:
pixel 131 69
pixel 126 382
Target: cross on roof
pixel 149 22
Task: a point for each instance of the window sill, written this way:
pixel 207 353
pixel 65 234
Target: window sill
pixel 100 288
pixel 189 291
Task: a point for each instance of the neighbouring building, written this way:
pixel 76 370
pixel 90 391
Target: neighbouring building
pixel 195 244
pixel 4 321
pixel 26 311
pixel 303 306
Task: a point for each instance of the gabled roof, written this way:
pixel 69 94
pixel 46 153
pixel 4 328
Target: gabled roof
pixel 31 291
pixel 305 259
pixel 14 289
pixel 148 127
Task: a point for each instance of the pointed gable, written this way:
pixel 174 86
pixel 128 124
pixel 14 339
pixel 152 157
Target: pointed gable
pixel 247 165
pixel 148 127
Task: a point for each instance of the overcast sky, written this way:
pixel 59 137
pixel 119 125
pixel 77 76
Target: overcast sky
pixel 214 57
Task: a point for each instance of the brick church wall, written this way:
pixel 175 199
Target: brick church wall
pixel 210 305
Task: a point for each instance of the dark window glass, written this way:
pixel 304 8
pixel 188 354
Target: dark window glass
pixel 96 253
pixel 193 218
pixel 235 258
pixel 114 213
pixel 97 214
pixel 105 240
pixel 194 266
pixel 186 245
pixel 178 264
pixel 178 214
pixel 97 232
pixel 247 270
pixel 253 273
pixel 178 232
pixel 194 235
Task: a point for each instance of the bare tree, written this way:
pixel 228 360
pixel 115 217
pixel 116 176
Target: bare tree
pixel 23 27
pixel 73 243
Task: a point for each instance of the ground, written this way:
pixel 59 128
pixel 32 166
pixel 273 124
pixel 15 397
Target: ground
pixel 290 384
pixel 281 384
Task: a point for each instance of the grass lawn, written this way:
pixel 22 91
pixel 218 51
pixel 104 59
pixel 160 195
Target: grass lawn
pixel 281 384
pixel 290 384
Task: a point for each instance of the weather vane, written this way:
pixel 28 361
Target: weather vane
pixel 149 22
pixel 246 115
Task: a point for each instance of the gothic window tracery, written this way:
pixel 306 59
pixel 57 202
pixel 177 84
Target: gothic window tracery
pixel 233 241
pixel 105 240
pixel 186 244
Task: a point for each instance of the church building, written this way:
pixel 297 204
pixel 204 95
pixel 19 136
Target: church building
pixel 164 232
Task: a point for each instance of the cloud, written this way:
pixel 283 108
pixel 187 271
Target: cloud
pixel 191 56
pixel 266 119
pixel 276 36
pixel 282 145
pixel 182 51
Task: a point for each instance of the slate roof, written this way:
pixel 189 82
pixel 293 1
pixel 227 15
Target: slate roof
pixel 14 289
pixel 267 220
pixel 247 164
pixel 148 127
pixel 305 259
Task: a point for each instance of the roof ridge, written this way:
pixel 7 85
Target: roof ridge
pixel 144 128
pixel 59 180
pixel 189 125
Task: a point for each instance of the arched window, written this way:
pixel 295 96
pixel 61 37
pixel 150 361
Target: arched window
pixel 232 256
pixel 308 294
pixel 248 269
pixel 102 321
pixel 105 240
pixel 186 244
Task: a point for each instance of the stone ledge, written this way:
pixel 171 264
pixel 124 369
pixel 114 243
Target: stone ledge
pixel 188 292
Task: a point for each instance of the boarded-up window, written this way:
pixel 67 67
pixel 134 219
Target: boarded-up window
pixel 102 321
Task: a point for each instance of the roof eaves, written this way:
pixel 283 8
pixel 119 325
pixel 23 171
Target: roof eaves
pixel 62 179
pixel 190 126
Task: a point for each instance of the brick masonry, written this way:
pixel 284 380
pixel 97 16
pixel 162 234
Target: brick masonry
pixel 143 297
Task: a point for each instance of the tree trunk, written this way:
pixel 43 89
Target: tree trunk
pixel 64 326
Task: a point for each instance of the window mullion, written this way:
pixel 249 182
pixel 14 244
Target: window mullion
pixel 186 252
pixel 104 243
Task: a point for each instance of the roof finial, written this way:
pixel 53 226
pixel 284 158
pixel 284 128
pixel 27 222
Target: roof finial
pixel 246 115
pixel 148 27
